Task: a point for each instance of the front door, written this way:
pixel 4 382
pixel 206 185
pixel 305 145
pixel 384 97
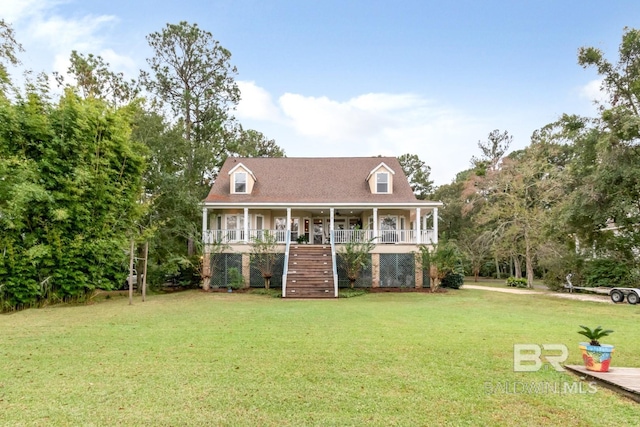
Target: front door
pixel 318 231
pixel 388 229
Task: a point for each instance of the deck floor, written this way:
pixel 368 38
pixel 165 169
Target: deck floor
pixel 625 381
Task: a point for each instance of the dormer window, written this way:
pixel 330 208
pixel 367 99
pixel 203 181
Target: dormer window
pixel 382 182
pixel 240 182
pixel 380 179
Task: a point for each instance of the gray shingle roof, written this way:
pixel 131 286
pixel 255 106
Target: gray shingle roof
pixel 311 180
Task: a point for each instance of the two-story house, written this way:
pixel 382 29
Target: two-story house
pixel 315 205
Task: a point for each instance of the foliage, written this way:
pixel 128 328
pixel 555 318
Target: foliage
pixel 8 52
pixel 263 254
pixel 453 280
pixel 235 279
pixel 417 173
pixel 351 292
pixel 94 79
pixel 493 150
pixel 274 293
pixel 454 216
pixel 251 143
pixel 516 282
pixel 440 260
pixel 191 75
pixel 355 255
pixel 476 250
pixel 594 335
pixel 70 182
pixel 608 272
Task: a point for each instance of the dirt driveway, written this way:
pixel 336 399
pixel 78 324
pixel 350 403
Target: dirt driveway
pixel 579 297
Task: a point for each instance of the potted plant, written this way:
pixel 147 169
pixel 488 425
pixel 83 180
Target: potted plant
pixel 596 356
pixel 302 239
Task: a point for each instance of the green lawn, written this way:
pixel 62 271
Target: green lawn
pixel 386 359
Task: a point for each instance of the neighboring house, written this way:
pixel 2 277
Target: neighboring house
pixel 323 202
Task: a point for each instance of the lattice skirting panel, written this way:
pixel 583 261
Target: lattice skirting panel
pixel 220 265
pixel 397 271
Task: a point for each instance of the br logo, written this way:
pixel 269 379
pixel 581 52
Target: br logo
pixel 529 358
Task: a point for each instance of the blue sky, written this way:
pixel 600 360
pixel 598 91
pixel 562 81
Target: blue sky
pixel 362 78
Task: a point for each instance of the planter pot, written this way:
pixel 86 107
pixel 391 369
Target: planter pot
pixel 596 357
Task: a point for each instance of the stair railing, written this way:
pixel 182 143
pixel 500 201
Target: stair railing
pixel 285 269
pixel 335 263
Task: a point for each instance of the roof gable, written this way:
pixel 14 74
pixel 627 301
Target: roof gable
pixel 381 165
pixel 246 169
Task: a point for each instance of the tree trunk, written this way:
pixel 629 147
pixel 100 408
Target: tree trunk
pixel 352 282
pixel 433 275
pixel 191 247
pixel 497 267
pixel 529 259
pixel 267 281
pixel 518 266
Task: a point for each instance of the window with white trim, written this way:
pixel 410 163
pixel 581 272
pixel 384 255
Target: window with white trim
pixel 240 182
pixel 382 182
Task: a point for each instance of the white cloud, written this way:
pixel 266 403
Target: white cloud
pixel 593 91
pixel 49 37
pixel 256 103
pixel 14 11
pixel 367 125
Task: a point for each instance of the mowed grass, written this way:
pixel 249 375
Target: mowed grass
pixel 386 359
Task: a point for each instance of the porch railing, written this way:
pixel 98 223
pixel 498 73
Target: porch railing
pixel 340 236
pixel 334 262
pixel 286 267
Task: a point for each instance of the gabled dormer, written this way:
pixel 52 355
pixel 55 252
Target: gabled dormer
pixel 380 179
pixel 241 179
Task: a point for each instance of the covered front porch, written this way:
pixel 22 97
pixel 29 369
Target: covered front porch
pixel 394 224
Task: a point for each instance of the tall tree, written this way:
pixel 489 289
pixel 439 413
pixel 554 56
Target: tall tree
pixel 192 75
pixel 418 173
pixel 94 79
pixel 611 151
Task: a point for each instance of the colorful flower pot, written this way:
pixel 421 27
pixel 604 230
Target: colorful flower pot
pixel 596 357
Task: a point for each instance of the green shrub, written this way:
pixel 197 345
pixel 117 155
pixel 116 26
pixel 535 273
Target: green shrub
pixel 607 273
pixel 234 278
pixel 453 281
pixel 351 292
pixel 275 293
pixel 517 283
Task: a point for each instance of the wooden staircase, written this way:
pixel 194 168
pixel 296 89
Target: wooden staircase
pixel 310 272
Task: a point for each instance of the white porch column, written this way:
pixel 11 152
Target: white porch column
pixel 205 225
pixel 418 231
pixel 375 223
pixel 288 225
pixel 331 226
pixel 246 225
pixel 435 225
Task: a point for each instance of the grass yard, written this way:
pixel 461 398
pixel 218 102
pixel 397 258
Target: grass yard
pixel 385 359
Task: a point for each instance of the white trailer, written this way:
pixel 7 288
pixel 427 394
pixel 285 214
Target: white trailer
pixel 616 294
pixel 619 294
